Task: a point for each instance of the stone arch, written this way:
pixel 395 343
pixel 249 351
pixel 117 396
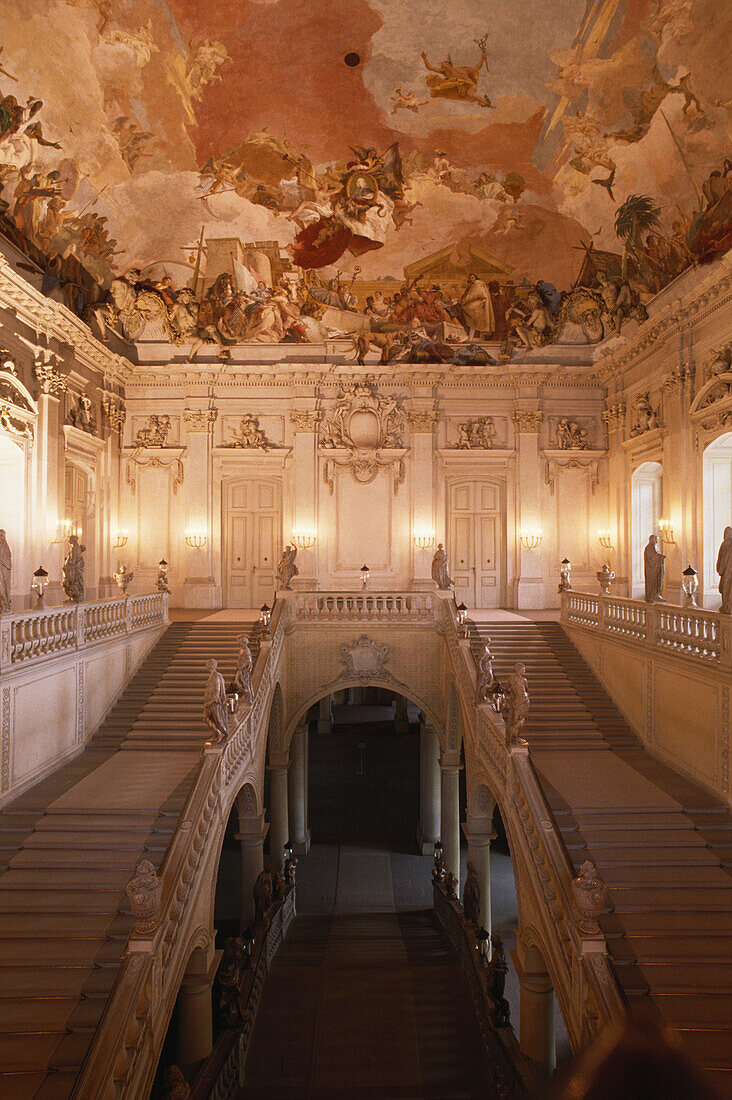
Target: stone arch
pixel 397 688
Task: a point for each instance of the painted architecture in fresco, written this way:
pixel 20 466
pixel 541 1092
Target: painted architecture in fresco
pixel 243 172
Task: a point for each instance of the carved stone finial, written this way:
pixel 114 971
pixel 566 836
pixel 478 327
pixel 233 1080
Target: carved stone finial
pixel 590 898
pixel 124 578
pixel 605 577
pixel 144 891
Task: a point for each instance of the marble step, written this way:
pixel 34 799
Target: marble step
pixel 648 855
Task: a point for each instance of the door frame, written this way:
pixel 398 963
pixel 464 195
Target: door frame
pixel 500 484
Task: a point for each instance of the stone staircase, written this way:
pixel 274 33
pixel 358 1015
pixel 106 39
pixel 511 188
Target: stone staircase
pixel 662 844
pixel 69 845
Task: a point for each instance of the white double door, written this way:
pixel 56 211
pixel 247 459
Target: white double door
pixel 475 547
pixel 253 535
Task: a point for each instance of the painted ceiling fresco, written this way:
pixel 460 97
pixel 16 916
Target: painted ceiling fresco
pixel 365 158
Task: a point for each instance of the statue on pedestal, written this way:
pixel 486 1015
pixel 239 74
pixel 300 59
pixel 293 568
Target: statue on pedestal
pixel 215 711
pixel 486 676
pixel 441 569
pixel 229 976
pixel 241 685
pixel 6 570
pixel 73 571
pixel 654 567
pixel 286 568
pixel 263 894
pixel 517 710
pixel 724 568
pixel 175 1086
pixel 471 895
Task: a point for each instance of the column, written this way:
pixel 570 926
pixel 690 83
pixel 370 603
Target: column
pixel 252 831
pixel 537 1021
pixel 279 832
pixel 199 589
pixel 530 584
pixel 50 504
pixel 479 854
pixel 429 793
pixel 450 816
pixel 421 427
pixel 195 1023
pixel 304 420
pixel 619 510
pixel 401 718
pixel 297 786
pixel 325 715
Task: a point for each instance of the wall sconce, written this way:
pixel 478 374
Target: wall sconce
pixel 121 540
pixel 365 574
pixel 39 585
pixel 423 539
pixel 531 540
pixel 196 539
pixel 63 530
pixel 304 538
pixel 605 538
pixel 666 531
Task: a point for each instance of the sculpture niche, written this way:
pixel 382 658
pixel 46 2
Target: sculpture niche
pixel 654 568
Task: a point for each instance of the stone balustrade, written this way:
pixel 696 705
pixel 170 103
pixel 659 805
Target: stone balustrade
pixel 362 606
pixel 689 631
pixel 28 637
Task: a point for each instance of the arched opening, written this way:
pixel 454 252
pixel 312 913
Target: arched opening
pixel 646 511
pixel 717 509
pixel 12 503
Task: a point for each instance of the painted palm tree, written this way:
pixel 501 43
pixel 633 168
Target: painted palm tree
pixel 637 215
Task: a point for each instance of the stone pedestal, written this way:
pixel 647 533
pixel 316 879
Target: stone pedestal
pixel 251 835
pixel 429 794
pixel 297 785
pixel 279 832
pixel 450 816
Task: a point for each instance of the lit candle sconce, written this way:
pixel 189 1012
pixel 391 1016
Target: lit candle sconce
pixel 666 531
pixel 63 530
pixel 531 539
pixel 121 539
pixel 605 538
pixel 304 538
pixel 196 539
pixel 423 539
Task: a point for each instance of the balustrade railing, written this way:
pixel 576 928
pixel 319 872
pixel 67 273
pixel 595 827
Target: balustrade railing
pixel 363 606
pixel 689 631
pixel 30 636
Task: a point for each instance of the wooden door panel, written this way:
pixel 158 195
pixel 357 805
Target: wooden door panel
pixel 239 561
pixel 475 526
pixel 253 524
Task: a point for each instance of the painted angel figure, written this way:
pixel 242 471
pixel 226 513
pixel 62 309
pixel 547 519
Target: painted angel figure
pixel 406 101
pixel 448 81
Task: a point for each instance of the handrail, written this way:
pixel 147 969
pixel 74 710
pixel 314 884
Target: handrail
pixel 222 1074
pixel 509 1072
pixel 691 632
pixel 579 952
pixel 27 637
pixel 363 606
pixel 124 1035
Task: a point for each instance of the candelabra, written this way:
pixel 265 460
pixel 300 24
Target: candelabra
pixel 196 539
pixel 423 539
pixel 121 539
pixel 666 531
pixel 605 538
pixel 531 540
pixel 304 538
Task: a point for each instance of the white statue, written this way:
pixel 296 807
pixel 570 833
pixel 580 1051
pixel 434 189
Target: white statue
pixel 73 571
pixel 242 682
pixel 486 676
pixel 441 569
pixel 517 710
pixel 215 711
pixel 286 568
pixel 654 567
pixel 724 568
pixel 6 569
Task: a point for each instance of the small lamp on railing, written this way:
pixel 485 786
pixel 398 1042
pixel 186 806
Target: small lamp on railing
pixel 195 539
pixel 40 578
pixel 565 576
pixel 690 584
pixel 265 614
pixel 605 538
pixel 497 696
pixel 531 539
pixel 484 945
pixel 461 614
pixel 120 540
pixel 365 574
pixel 666 531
